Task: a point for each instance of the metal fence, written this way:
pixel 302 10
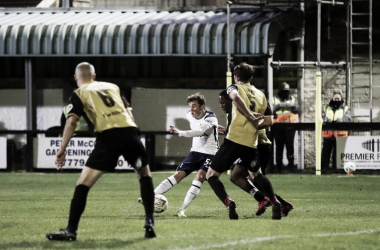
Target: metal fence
pixel 304 144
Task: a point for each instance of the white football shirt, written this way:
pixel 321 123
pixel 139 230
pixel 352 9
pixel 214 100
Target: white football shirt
pixel 204 132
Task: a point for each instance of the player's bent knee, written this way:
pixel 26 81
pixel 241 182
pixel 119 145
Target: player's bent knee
pixel 233 178
pixel 143 171
pixel 200 176
pixel 212 173
pixel 179 176
pixel 257 173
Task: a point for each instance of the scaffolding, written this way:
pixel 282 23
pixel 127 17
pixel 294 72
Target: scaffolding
pixel 360 94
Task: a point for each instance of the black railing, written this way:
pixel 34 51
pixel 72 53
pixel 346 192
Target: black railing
pixel 304 142
pixel 166 151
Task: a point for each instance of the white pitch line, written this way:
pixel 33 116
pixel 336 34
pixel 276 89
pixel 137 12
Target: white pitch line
pixel 369 231
pixel 366 176
pixel 260 239
pixel 238 242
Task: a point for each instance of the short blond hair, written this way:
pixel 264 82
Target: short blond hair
pixel 85 70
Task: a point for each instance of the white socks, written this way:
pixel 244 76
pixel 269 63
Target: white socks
pixel 191 194
pixel 193 191
pixel 165 185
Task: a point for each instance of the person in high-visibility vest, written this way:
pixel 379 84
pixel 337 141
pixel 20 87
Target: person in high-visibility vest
pixel 285 110
pixel 336 111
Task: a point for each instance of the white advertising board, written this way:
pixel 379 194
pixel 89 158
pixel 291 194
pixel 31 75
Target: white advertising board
pixel 77 153
pixel 364 151
pixel 3 150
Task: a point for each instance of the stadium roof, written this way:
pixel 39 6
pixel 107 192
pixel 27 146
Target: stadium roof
pixel 57 33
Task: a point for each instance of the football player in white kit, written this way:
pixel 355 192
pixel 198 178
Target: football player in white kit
pixel 204 126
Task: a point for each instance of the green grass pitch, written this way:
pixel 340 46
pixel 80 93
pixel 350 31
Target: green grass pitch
pixel 331 212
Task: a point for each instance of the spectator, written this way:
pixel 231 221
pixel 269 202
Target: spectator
pixel 285 108
pixel 334 112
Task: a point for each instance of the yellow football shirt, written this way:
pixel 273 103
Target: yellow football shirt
pixel 241 130
pixel 102 104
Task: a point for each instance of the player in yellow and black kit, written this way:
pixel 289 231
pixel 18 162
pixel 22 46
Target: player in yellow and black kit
pixel 249 106
pixel 265 155
pixel 102 104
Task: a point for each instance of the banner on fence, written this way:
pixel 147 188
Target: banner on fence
pixel 364 151
pixel 77 153
pixel 3 149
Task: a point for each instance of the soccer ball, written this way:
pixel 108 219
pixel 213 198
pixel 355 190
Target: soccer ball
pixel 349 167
pixel 160 203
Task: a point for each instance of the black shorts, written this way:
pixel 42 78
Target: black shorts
pixel 232 153
pixel 110 144
pixel 195 161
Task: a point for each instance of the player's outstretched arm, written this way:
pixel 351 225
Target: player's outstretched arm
pixel 173 130
pixel 70 126
pixel 203 129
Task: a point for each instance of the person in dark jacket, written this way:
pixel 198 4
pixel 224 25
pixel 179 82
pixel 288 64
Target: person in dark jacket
pixel 285 110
